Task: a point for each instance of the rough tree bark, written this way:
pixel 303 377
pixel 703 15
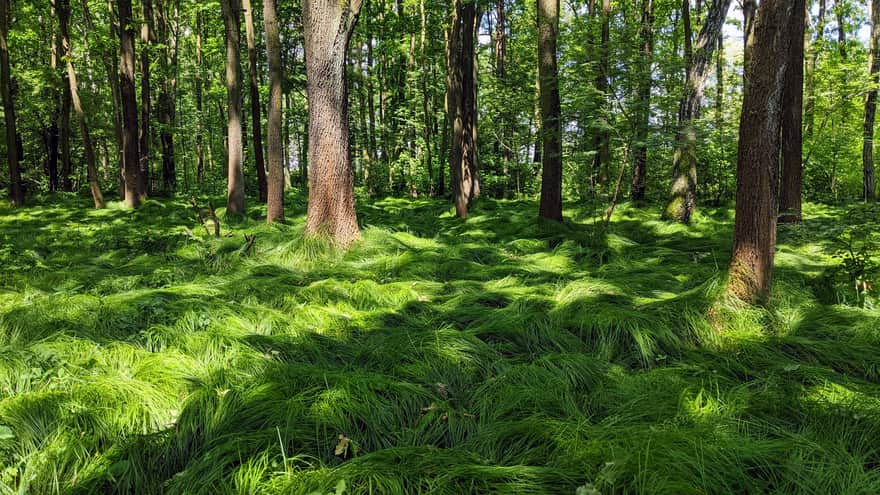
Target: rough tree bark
pixel 63 9
pixel 129 105
pixel 461 104
pixel 551 175
pixel 235 185
pixel 751 265
pixel 256 111
pixel 275 193
pixel 16 192
pixel 327 26
pixel 792 120
pixel 640 163
pixel 146 99
pixel 63 126
pixel 871 105
pixel 684 186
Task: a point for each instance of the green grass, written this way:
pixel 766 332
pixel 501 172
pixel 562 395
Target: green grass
pixel 496 355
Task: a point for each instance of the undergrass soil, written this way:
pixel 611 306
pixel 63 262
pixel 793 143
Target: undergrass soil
pixel 139 355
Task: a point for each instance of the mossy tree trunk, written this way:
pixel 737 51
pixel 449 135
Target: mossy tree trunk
pixel 684 162
pixel 751 265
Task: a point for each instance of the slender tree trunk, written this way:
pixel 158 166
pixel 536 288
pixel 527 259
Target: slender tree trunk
pixel 199 82
pixel 461 89
pixel 792 120
pixel 871 104
pixel 684 186
pixel 256 112
pixel 275 193
pixel 839 12
pixel 63 10
pixel 551 176
pixel 235 185
pixel 66 102
pixel 640 163
pixel 168 32
pixel 112 69
pixel 602 140
pixel 129 105
pixel 426 99
pixel 146 100
pixel 16 192
pixel 751 266
pixel 812 61
pixel 327 25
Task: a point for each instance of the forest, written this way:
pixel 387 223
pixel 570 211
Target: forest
pixel 337 247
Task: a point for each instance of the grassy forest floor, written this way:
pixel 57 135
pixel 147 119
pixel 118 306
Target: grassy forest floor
pixel 139 355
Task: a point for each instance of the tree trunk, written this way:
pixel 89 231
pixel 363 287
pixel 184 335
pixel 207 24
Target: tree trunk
pixel 871 104
pixel 684 163
pixel 751 265
pixel 146 100
pixel 602 140
pixel 63 9
pixel 812 60
pixel 235 185
pixel 66 101
pixel 792 120
pixel 199 82
pixel 461 89
pixel 551 176
pixel 640 164
pixel 168 33
pixel 256 112
pixel 16 192
pixel 112 69
pixel 275 193
pixel 749 7
pixel 841 27
pixel 327 25
pixel 426 100
pixel 129 105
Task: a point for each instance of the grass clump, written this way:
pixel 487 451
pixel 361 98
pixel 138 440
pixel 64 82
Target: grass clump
pixel 139 354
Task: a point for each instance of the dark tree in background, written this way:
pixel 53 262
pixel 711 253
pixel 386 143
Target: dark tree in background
pixel 792 120
pixel 16 193
pixel 551 176
pixel 129 105
pixel 871 104
pixel 256 108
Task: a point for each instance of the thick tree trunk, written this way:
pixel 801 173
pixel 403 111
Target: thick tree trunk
pixel 235 171
pixel 146 99
pixel 684 165
pixel 871 104
pixel 551 175
pixel 256 111
pixel 640 163
pixel 327 25
pixel 461 92
pixel 792 120
pixel 129 105
pixel 751 266
pixel 275 193
pixel 63 9
pixel 16 192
